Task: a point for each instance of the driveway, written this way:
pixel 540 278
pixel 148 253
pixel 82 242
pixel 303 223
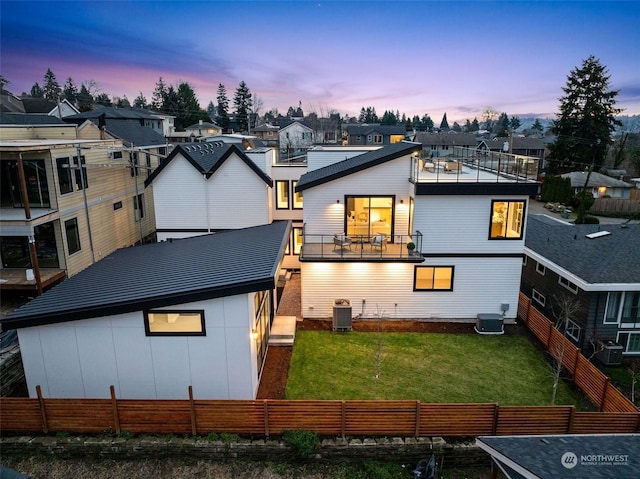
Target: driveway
pixel 537 208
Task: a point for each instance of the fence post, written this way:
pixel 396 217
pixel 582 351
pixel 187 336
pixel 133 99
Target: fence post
pixel 265 410
pixel 604 393
pixel 43 412
pixel 114 409
pixel 570 424
pixel 343 419
pixel 417 431
pixel 192 408
pixel 496 413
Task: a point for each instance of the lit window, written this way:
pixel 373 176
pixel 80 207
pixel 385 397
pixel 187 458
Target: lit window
pixel 174 323
pixel 540 268
pixel 538 298
pixel 73 235
pixel 297 240
pixel 568 284
pixel 297 196
pixel 433 278
pixel 282 195
pixel 507 220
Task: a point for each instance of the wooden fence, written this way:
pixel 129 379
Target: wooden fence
pixel 595 384
pixel 616 205
pixel 338 418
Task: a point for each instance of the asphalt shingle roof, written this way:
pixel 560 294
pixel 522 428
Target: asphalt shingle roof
pixel 384 129
pixel 114 114
pixel 608 259
pixel 595 179
pixel 356 163
pixel 163 274
pixel 133 134
pixel 29 119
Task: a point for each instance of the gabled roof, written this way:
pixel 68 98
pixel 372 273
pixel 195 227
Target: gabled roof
pixel 459 139
pixel 288 123
pixel 517 143
pixel 38 105
pixel 375 128
pixel 10 103
pixel 608 259
pixel 207 157
pixel 29 119
pixel 595 179
pixel 204 125
pixel 115 114
pixel 356 163
pixel 161 275
pixel 132 133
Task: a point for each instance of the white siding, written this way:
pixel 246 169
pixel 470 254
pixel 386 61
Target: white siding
pixel 83 358
pixel 480 285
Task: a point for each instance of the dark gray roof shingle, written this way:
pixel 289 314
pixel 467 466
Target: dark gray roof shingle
pixel 133 134
pixel 375 128
pixel 608 259
pixel 356 163
pixel 29 119
pixel 163 274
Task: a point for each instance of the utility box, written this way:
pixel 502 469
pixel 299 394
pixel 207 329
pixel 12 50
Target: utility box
pixel 342 315
pixel 610 354
pixel 489 323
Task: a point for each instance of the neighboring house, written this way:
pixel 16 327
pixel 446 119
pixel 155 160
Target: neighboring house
pixel 156 319
pixel 267 133
pixel 9 103
pixel 517 145
pixel 208 186
pixel 436 145
pixel 326 131
pixel 377 135
pixel 203 130
pixel 599 185
pixel 59 214
pixel 294 136
pixel 43 106
pixel 158 122
pixel 594 269
pixel 360 213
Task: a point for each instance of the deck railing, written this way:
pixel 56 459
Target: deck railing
pixel 343 247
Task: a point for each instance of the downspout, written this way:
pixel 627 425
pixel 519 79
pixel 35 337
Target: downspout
pixel 206 201
pixel 27 213
pixel 84 197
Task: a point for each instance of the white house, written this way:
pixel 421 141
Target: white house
pixel 294 137
pixel 209 186
pixel 467 223
pixel 599 185
pixel 155 319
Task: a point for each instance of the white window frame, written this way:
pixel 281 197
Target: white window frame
pixel 626 343
pixel 571 328
pixel 541 269
pixel 619 310
pixel 538 298
pixel 568 284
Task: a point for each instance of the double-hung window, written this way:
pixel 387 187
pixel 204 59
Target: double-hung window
pixel 71 175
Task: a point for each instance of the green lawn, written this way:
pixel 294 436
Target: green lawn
pixel 438 368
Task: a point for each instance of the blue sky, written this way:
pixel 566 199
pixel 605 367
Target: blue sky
pixel 413 56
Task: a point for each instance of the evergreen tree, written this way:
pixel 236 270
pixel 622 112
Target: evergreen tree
pixel 70 91
pixel 416 122
pixel 3 82
pixel 103 99
pixel 211 111
pixel 51 88
pixel 85 99
pixel 159 95
pixel 502 125
pixel 537 126
pixel 242 102
pixel 122 102
pixel 586 119
pixel 363 115
pixel 456 127
pixel 467 126
pixel 388 118
pixel 427 122
pixel 514 123
pixel 475 125
pixel 222 118
pixel 140 101
pixel 444 124
pixel 188 111
pixel 36 91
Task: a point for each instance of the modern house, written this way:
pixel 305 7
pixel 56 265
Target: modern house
pixel 68 200
pixel 467 227
pixel 374 134
pixel 587 279
pixel 438 145
pixel 156 319
pixel 517 145
pixel 599 185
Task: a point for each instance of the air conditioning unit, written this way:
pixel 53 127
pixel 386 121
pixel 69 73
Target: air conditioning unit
pixel 342 315
pixel 489 323
pixel 610 353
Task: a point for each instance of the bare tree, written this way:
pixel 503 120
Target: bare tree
pixel 557 353
pixel 379 351
pixel 564 307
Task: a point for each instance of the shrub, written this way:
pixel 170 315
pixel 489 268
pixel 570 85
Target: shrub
pixel 411 246
pixel 229 437
pixel 212 436
pixel 301 441
pixel 587 220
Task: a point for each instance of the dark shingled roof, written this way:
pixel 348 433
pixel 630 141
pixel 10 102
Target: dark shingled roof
pixel 458 139
pixel 163 274
pixel 374 128
pixel 38 105
pixel 608 259
pixel 133 134
pixel 356 163
pixel 207 157
pixel 114 114
pixel 29 119
pixel 594 456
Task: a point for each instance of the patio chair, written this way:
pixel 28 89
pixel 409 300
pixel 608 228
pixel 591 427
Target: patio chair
pixel 341 241
pixel 450 166
pixel 379 240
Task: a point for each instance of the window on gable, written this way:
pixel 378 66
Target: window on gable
pixel 282 195
pixel 433 278
pixel 507 220
pixel 174 323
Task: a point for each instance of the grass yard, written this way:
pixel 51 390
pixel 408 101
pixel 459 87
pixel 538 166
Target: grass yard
pixel 436 368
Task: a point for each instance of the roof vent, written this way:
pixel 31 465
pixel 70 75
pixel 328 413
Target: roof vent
pixel 598 234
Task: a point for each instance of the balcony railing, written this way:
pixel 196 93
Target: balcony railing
pixel 332 247
pixel 471 165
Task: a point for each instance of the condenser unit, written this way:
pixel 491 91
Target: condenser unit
pixel 342 314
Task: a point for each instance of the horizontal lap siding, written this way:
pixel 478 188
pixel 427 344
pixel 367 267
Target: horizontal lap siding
pixel 242 417
pixel 78 416
pixel 159 416
pixel 514 420
pixel 20 414
pixel 457 419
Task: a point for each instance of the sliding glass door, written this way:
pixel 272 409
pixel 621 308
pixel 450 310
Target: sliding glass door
pixel 366 216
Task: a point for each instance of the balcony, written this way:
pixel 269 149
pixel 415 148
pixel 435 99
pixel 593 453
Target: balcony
pixel 360 248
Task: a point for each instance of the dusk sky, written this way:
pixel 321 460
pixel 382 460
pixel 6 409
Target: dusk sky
pixel 416 57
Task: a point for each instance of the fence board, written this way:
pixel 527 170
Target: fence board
pixel 380 417
pixel 157 416
pixel 615 401
pixel 516 420
pixel 523 307
pixel 79 415
pixel 457 419
pixel 605 423
pixel 322 417
pixel 240 417
pixel 539 325
pixel 20 414
pixel 590 379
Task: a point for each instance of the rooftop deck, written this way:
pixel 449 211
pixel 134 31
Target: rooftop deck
pixel 360 248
